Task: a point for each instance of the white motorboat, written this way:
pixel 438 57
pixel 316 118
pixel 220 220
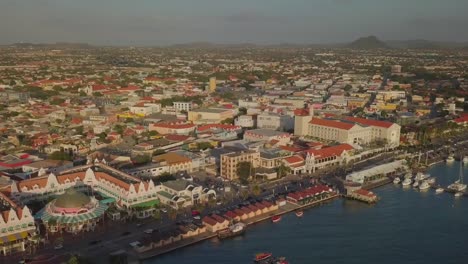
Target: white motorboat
pixel 421 176
pixel 397 180
pixel 458 194
pixel 407 182
pixel 465 160
pixel 424 186
pixel 415 184
pixel 440 190
pixel 450 159
pixel 431 180
pixel 408 175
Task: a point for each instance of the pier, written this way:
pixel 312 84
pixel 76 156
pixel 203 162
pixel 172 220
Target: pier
pixel 287 208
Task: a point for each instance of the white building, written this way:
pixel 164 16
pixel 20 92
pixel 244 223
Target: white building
pixel 182 106
pixel 245 121
pixel 275 122
pixel 267 135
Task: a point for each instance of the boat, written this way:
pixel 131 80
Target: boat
pixel 450 159
pixel 276 218
pixel 424 186
pixel 396 180
pixel 431 180
pixel 299 213
pixel 415 184
pixel 262 256
pixel 440 190
pixel 421 176
pixel 458 194
pixel 465 160
pixel 407 182
pixel 231 231
pixel 408 175
pixel 458 185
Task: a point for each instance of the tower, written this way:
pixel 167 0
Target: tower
pixel 302 117
pixel 212 85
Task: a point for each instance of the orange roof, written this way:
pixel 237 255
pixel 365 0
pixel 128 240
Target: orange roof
pixel 332 123
pixel 330 151
pixel 29 183
pixel 171 158
pixel 365 193
pixel 294 159
pixel 370 122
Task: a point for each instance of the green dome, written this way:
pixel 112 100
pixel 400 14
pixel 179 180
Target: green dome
pixel 72 199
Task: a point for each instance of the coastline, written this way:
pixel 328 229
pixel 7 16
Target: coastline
pixel 288 208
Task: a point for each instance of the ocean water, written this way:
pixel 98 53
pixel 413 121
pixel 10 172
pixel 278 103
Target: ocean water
pixel 405 226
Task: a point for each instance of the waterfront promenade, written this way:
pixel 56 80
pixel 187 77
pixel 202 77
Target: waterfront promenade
pixel 287 208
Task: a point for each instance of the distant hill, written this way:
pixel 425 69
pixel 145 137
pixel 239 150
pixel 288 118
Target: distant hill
pixel 371 42
pixel 58 45
pixel 413 44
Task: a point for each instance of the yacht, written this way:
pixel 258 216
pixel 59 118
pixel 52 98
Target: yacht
pixel 440 190
pixel 465 160
pixel 397 180
pixel 458 194
pixel 424 186
pixel 407 182
pixel 450 159
pixel 458 185
pixel 408 175
pixel 415 184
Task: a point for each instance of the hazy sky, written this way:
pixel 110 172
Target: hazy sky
pixel 160 22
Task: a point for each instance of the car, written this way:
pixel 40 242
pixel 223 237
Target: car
pixel 58 246
pixel 197 217
pixel 195 213
pixel 126 233
pixel 148 231
pixel 95 242
pixel 219 203
pixel 135 244
pixel 139 224
pixel 164 210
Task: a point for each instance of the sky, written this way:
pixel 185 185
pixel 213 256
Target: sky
pixel 164 22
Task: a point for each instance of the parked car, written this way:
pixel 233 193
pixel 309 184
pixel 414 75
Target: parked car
pixel 164 210
pixel 135 244
pixel 58 246
pixel 148 231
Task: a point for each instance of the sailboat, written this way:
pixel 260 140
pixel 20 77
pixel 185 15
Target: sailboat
pixel 458 185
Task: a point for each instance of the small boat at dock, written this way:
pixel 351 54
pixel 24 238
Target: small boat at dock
pixel 439 190
pixel 299 213
pixel 407 182
pixel 431 180
pixel 424 186
pixel 397 180
pixel 458 194
pixel 262 256
pixel 450 159
pixel 276 218
pixel 458 186
pixel 415 184
pixel 465 160
pixel 231 231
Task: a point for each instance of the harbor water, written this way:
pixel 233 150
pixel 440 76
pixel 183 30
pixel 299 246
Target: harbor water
pixel 405 226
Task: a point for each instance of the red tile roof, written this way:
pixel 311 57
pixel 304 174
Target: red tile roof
pixel 294 159
pixel 330 151
pixel 210 221
pixel 332 123
pixel 365 193
pixel 370 122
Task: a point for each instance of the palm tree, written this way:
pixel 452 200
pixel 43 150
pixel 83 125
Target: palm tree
pixel 256 190
pixel 282 171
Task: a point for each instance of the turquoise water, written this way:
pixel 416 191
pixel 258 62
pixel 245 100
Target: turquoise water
pixel 405 226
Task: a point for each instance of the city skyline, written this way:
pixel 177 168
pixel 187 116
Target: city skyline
pixel 150 23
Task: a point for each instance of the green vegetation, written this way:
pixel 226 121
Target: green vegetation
pixel 60 155
pixel 141 159
pixel 244 171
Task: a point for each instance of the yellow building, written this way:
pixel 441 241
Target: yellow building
pixel 386 107
pixel 230 161
pixel 212 85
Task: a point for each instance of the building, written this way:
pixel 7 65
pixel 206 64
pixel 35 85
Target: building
pixel 178 128
pixel 182 193
pixel 330 156
pixel 376 173
pixel 209 115
pixel 16 226
pixel 275 122
pixel 246 121
pixel 396 69
pixel 183 106
pixel 353 130
pixel 302 117
pixel 267 135
pixel 212 85
pixel 230 161
pixel 175 162
pixel 72 212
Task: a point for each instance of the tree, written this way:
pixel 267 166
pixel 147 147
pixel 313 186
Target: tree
pixel 227 121
pixel 348 87
pixel 283 170
pixel 97 94
pixel 242 111
pixel 158 152
pixel 204 145
pixel 141 159
pixel 60 155
pixel 256 190
pixel 244 170
pixel 73 260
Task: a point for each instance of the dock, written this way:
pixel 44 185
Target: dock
pixel 287 208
